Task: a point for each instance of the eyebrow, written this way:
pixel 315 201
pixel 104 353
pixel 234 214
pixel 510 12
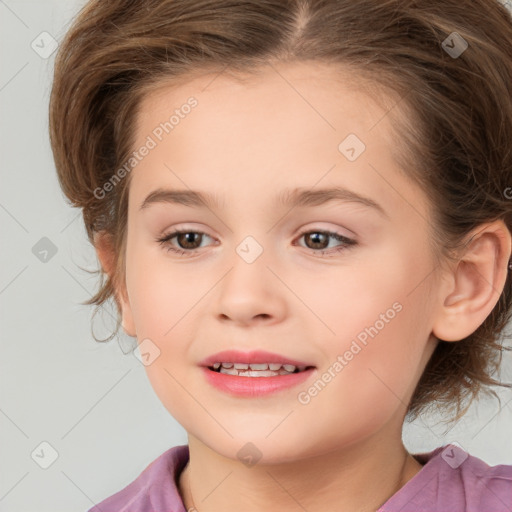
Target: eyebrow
pixel 292 198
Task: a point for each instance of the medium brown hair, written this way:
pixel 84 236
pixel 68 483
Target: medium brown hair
pixel 456 143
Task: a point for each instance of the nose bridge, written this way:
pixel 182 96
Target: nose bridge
pixel 249 289
pixel 249 265
pixel 251 250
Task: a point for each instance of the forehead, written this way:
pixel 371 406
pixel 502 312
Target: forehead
pixel 284 124
pixel 312 92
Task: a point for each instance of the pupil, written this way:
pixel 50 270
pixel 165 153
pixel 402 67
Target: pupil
pixel 186 236
pixel 316 236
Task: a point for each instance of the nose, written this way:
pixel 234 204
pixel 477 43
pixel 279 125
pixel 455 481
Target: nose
pixel 250 293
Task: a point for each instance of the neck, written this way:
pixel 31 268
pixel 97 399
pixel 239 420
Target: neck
pixel 359 478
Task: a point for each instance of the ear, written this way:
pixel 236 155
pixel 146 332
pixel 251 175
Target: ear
pixel 475 283
pixel 106 254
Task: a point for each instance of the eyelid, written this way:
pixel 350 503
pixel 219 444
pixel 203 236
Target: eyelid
pixel 315 228
pixel 345 241
pixel 340 231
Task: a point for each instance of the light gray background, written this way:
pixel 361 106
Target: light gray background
pixel 92 402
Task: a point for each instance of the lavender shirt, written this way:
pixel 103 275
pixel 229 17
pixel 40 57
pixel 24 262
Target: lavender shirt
pixel 451 480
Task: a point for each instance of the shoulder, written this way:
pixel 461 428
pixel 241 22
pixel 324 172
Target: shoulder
pixel 485 487
pixel 154 489
pixel 452 479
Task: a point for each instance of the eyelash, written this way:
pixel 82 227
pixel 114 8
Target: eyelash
pixel 348 242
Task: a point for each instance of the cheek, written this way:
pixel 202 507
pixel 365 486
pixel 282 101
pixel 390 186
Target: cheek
pixel 380 321
pixel 165 298
pixel 375 289
pixel 162 292
pixel 363 386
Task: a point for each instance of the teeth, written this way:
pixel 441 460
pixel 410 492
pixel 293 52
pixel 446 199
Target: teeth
pixel 228 371
pixel 258 373
pixel 252 373
pixel 262 366
pixel 257 369
pixel 259 366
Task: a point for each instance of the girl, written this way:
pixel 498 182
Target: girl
pixel 303 210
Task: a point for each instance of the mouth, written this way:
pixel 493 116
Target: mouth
pixel 257 369
pixel 255 373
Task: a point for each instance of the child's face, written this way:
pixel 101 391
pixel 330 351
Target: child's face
pixel 247 145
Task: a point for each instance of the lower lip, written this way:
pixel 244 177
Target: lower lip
pixel 255 386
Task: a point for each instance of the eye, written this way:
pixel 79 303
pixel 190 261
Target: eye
pixel 190 241
pixel 316 240
pixel 186 239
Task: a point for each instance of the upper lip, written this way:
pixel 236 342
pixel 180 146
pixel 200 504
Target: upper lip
pixel 256 356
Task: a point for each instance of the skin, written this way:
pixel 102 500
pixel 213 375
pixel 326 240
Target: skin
pixel 246 143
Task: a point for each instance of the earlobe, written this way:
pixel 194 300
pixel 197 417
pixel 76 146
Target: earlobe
pixel 106 255
pixel 476 283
